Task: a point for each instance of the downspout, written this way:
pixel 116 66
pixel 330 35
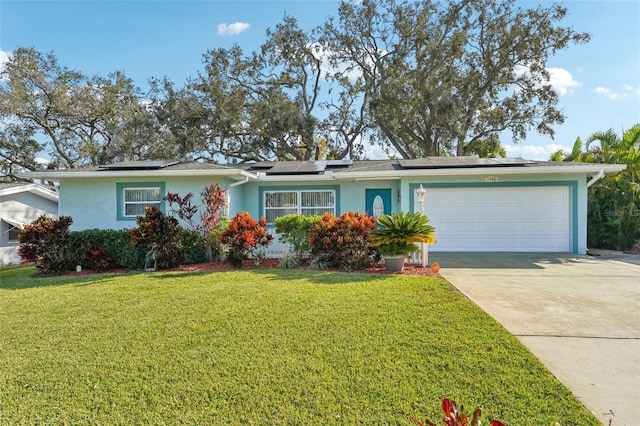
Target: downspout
pixel 595 178
pixel 240 182
pixel 228 197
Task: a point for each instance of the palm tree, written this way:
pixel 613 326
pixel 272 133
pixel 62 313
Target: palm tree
pixel 613 149
pixel 576 153
pixel 614 203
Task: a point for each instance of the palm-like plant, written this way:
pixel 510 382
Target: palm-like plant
pixel 614 203
pixel 613 219
pixel 398 233
pixel 613 149
pixel 576 153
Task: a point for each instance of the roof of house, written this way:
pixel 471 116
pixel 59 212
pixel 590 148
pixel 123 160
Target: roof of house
pixel 9 188
pixel 331 169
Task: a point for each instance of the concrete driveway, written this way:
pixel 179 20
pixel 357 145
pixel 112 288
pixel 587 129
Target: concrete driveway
pixel 580 315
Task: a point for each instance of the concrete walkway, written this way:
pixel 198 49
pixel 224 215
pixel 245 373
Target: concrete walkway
pixel 580 315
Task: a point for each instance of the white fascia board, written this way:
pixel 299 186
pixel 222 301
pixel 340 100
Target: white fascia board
pixel 32 187
pixel 18 189
pixel 588 170
pixel 92 174
pixel 46 193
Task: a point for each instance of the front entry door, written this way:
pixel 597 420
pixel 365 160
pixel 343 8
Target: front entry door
pixel 378 201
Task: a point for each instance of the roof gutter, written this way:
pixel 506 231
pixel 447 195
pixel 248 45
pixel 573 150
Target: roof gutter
pixel 238 183
pixel 57 175
pixel 478 171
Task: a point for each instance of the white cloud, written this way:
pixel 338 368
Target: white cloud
pixel 225 29
pixel 562 80
pixel 327 68
pixel 606 92
pixel 41 161
pixel 534 152
pixel 559 78
pixel 376 152
pixel 626 92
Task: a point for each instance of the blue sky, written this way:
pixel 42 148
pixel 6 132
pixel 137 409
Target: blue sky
pixel 598 83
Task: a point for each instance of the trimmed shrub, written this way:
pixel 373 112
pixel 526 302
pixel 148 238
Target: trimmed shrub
pixel 47 242
pixel 343 242
pixel 97 258
pixel 117 244
pixel 242 236
pixel 294 230
pixel 162 235
pixel 194 247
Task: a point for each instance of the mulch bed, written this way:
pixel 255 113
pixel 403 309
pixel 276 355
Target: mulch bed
pixel 378 268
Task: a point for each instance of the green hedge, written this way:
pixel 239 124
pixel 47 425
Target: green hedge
pixel 194 246
pixel 116 243
pixel 118 246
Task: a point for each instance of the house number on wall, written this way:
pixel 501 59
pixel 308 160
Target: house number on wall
pixel 491 179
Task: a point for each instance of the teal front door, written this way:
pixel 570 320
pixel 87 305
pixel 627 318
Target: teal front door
pixel 378 201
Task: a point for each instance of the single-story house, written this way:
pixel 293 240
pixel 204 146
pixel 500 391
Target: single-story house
pixel 475 204
pixel 21 203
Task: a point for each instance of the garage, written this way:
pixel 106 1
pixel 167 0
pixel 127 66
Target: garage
pixel 500 219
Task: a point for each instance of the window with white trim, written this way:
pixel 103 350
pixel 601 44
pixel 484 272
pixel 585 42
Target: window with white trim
pixel 306 202
pixel 134 197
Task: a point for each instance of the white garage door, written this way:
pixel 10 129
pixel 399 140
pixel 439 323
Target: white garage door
pixel 525 219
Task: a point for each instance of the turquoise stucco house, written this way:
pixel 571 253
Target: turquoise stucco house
pixel 496 205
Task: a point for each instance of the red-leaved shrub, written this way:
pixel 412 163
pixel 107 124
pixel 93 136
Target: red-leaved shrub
pixel 343 242
pixel 97 258
pixel 242 236
pixel 160 233
pixel 47 242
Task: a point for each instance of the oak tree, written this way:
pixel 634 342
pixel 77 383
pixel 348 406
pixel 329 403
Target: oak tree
pixel 439 76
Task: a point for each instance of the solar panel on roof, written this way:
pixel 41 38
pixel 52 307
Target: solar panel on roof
pixel 478 162
pixel 462 162
pixel 140 165
pixel 339 163
pixel 297 167
pixel 264 164
pixel 431 162
pixel 513 161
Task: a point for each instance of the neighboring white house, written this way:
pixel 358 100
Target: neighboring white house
pixel 21 203
pixel 475 204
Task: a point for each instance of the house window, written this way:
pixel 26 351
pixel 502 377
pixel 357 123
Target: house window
pixel 14 232
pixel 378 206
pixel 306 202
pixel 132 198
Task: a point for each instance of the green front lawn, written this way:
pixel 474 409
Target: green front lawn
pixel 260 347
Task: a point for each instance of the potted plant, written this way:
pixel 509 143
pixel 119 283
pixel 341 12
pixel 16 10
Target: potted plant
pixel 397 234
